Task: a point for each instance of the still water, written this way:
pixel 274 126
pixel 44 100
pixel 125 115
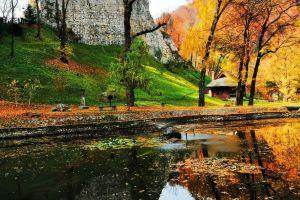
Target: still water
pixel 244 161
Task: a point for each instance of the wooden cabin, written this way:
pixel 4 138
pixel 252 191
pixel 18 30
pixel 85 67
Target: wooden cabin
pixel 222 88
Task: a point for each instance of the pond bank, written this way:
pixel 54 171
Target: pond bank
pixel 134 122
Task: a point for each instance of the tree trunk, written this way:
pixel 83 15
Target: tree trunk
pixel 130 97
pixel 239 92
pixel 244 63
pixel 12 53
pixel 57 18
pixel 38 20
pixel 201 100
pixel 246 67
pixel 63 35
pixel 128 38
pixel 253 82
pixel 127 44
pixel 127 27
pixel 257 63
pixel 258 59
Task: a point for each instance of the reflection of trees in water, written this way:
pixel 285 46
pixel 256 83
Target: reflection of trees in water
pixel 284 141
pixel 106 187
pixel 201 185
pixel 174 189
pixel 274 184
pixel 140 174
pixel 267 184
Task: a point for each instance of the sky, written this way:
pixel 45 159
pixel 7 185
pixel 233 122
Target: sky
pixel 21 7
pixel 157 7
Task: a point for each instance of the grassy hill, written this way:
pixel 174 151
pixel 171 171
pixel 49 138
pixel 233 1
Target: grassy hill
pixel 178 87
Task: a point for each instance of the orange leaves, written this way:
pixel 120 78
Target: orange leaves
pixel 179 23
pixel 76 67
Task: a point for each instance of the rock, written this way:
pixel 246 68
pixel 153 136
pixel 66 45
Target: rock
pixel 32 115
pixel 98 22
pixel 61 108
pixel 172 134
pixel 84 107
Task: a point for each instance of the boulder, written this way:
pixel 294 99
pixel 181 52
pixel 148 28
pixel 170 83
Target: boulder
pixel 61 108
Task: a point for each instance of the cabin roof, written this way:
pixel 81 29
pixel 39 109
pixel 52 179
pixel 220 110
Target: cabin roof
pixel 222 82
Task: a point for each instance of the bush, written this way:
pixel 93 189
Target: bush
pixel 3 89
pixel 177 63
pixel 31 86
pixel 3 29
pixel 60 82
pixel 14 91
pixel 17 30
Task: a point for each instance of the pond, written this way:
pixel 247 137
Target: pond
pixel 234 160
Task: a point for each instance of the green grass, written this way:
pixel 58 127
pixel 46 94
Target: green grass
pixel 177 88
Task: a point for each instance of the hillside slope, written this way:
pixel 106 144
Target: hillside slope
pixel 89 71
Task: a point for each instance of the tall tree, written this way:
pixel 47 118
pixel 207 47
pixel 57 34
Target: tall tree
pixel 57 17
pixel 38 16
pixel 61 9
pixel 13 4
pixel 246 12
pixel 5 8
pixel 131 73
pixel 220 7
pixel 128 38
pixel 30 15
pixel 277 16
pixel 199 40
pixel 63 32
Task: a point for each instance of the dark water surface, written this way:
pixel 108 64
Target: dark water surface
pixel 146 167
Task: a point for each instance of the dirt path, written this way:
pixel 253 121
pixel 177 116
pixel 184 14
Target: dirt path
pixel 22 115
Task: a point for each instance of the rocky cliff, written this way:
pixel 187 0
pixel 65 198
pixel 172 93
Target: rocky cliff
pixel 101 22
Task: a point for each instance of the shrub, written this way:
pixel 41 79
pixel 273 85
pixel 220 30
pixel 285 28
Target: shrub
pixel 1 30
pixel 60 82
pixel 131 74
pixel 31 86
pixel 14 91
pixel 177 63
pixel 3 89
pixel 17 30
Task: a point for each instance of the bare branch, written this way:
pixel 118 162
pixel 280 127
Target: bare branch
pixel 283 11
pixel 279 28
pixel 149 30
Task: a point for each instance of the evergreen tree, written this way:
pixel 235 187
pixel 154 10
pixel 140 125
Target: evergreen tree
pixel 30 15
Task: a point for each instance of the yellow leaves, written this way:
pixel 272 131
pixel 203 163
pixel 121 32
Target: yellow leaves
pixel 68 50
pixel 196 39
pixel 284 69
pixel 285 143
pixel 206 9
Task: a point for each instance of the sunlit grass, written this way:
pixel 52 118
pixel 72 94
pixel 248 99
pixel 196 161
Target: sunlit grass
pixel 176 88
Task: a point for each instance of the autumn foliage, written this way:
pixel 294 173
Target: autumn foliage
pixel 255 42
pixel 179 23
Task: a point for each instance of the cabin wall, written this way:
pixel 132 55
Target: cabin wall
pixel 221 93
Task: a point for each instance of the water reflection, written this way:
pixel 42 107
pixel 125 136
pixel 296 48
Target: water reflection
pixel 175 190
pixel 205 164
pixel 270 183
